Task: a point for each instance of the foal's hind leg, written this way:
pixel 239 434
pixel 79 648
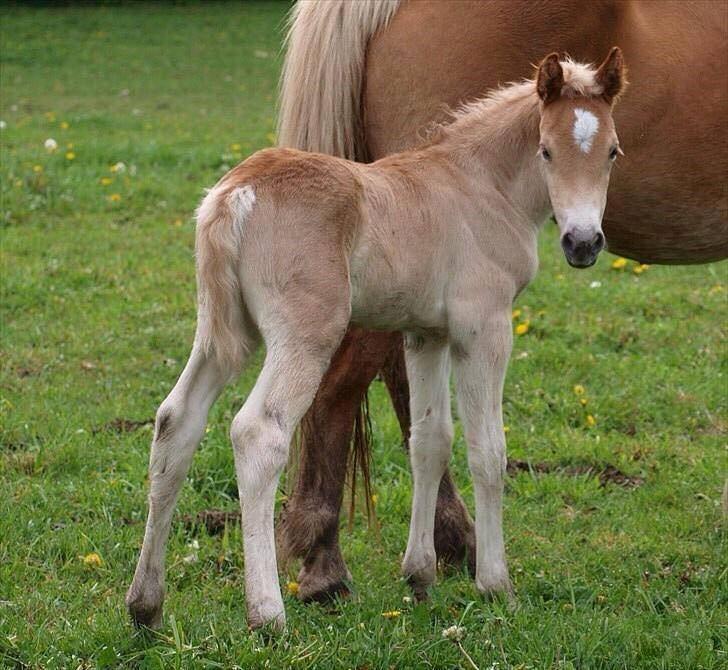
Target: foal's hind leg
pixel 180 425
pixel 430 443
pixel 261 434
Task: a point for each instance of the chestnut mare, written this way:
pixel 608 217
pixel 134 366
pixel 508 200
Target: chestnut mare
pixel 436 242
pixel 388 71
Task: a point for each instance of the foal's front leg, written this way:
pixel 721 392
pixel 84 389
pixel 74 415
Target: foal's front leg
pixel 430 444
pixel 480 361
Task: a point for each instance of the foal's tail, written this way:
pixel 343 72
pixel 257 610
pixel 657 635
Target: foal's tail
pixel 225 328
pixel 323 73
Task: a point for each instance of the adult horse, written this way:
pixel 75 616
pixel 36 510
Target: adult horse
pixel 365 79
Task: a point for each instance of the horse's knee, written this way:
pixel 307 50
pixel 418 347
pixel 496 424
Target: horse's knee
pixel 431 441
pixel 259 442
pixel 487 462
pixel 167 420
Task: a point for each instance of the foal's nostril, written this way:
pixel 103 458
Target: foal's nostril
pixel 568 242
pixel 598 243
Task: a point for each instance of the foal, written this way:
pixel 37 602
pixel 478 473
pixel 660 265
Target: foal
pixel 437 242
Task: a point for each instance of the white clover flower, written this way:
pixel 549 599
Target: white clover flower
pixel 50 145
pixel 3 125
pixel 454 633
pixel 595 284
pixel 119 167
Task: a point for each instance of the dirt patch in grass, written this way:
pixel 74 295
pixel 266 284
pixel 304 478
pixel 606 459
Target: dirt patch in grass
pixel 607 474
pixel 214 520
pixel 121 425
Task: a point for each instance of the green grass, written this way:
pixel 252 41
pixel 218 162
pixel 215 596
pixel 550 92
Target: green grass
pixel 98 316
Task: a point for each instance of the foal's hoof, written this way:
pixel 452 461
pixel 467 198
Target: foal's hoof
pixel 267 619
pixel 496 589
pixel 145 612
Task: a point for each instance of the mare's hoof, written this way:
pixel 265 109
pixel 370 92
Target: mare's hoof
pixel 318 588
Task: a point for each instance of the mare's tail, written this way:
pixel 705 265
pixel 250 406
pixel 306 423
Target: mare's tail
pixel 225 329
pixel 320 109
pixel 323 73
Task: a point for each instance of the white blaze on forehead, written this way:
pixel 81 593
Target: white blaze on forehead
pixel 585 127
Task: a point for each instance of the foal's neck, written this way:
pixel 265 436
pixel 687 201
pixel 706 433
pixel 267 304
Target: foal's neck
pixel 495 141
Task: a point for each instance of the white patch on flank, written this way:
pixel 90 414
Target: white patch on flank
pixel 241 201
pixel 585 127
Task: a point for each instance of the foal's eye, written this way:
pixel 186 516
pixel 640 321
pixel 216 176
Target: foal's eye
pixel 614 153
pixel 545 154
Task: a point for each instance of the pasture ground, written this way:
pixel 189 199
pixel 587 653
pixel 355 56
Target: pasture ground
pixel 97 319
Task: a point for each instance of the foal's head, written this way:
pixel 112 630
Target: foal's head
pixel 578 147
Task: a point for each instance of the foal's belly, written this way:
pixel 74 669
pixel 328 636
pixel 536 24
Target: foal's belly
pixel 387 300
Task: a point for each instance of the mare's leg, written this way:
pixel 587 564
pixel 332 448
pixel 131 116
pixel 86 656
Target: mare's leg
pixel 454 532
pixel 480 362
pixel 309 527
pixel 180 424
pixel 430 443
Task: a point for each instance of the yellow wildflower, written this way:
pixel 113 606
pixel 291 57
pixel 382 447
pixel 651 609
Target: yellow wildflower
pixel 391 614
pixel 235 147
pixel 583 401
pixel 64 125
pixel 375 498
pixel 105 181
pixel 515 313
pixel 579 389
pixel 37 168
pixel 115 197
pixel 590 421
pixel 292 588
pixel 639 268
pixel 70 155
pixel 506 429
pixel 93 560
pixel 718 288
pixel 522 328
pixel 619 263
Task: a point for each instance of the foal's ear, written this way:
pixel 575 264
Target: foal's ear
pixel 612 75
pixel 550 79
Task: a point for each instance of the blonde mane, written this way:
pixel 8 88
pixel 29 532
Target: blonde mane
pixel 511 106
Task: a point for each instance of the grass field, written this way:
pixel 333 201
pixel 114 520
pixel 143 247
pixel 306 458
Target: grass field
pixel 148 105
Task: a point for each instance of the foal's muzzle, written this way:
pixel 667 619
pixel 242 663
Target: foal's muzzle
pixel 581 250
